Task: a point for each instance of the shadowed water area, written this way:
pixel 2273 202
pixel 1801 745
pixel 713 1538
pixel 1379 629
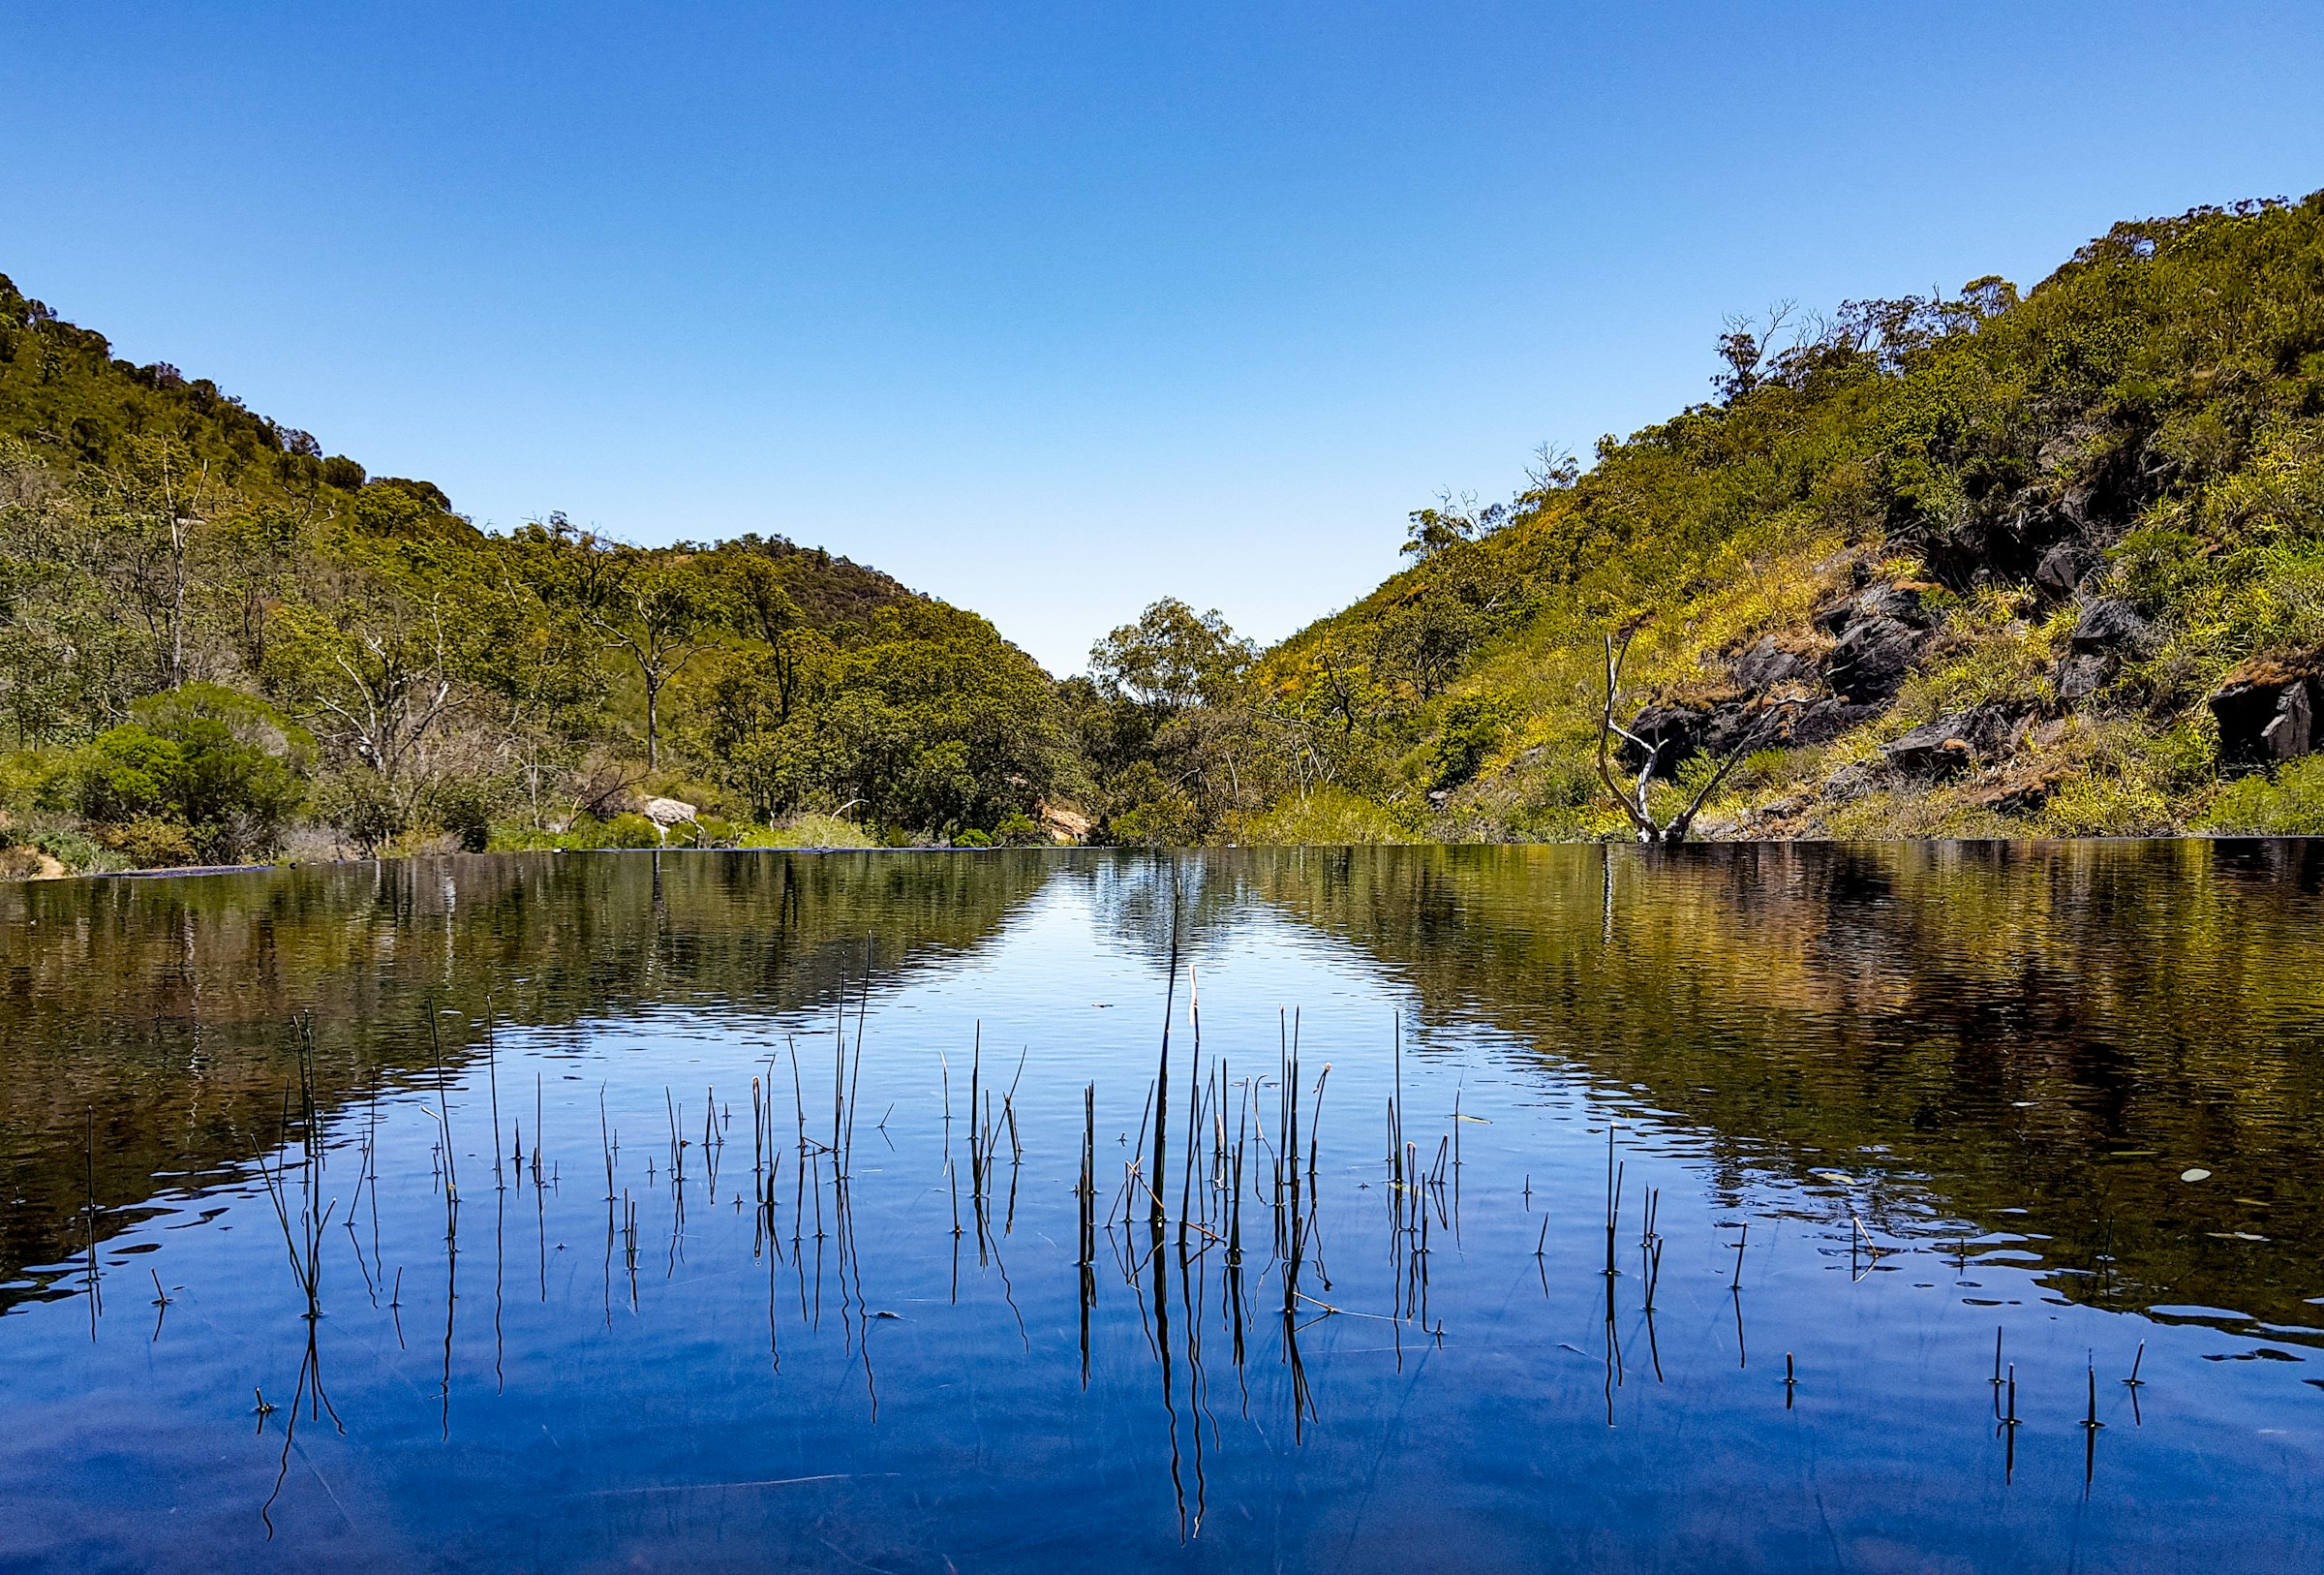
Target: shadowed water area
pixel 1505 1209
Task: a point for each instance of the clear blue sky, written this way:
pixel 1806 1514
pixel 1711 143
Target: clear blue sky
pixel 1050 310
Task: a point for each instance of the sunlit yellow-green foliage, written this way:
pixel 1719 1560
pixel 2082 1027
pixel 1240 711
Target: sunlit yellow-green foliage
pixel 406 683
pixel 2163 391
pixel 2156 404
pixel 811 831
pixel 1322 817
pixel 2290 804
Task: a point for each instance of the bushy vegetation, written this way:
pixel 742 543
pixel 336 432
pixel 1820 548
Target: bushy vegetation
pixel 218 644
pixel 2145 426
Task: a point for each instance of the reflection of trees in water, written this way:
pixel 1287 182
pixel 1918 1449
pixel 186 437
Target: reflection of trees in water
pixel 164 1006
pixel 2058 1027
pixel 1136 898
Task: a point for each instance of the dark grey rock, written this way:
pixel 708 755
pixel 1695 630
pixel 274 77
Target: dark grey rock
pixel 1767 663
pixel 2268 717
pixel 2080 675
pixel 1851 781
pixel 1956 742
pixel 1934 747
pixel 2111 625
pixel 1738 725
pixel 1672 731
pixel 1683 731
pixel 2060 570
pixel 1826 720
pixel 1872 658
pixel 1900 602
pixel 2292 732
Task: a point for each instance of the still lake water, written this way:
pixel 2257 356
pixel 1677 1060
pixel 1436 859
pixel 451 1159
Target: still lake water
pixel 544 1281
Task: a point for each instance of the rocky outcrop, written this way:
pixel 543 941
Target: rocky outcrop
pixel 1826 720
pixel 1873 657
pixel 2090 481
pixel 2109 632
pixel 1670 732
pixel 1683 731
pixel 2061 571
pixel 1881 632
pixel 1768 662
pixel 1957 742
pixel 1062 824
pixel 668 813
pixel 2269 711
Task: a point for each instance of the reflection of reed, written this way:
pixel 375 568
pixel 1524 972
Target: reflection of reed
pixel 1166 1249
pixel 303 1244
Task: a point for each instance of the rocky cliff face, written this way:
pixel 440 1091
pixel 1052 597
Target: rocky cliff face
pixel 1852 660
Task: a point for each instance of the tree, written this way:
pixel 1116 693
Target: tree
pixel 1430 531
pixel 150 505
pixel 1172 659
pixel 1633 799
pixel 374 675
pixel 653 611
pixel 761 607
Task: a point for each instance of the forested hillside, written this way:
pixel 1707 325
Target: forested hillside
pixel 1999 563
pixel 218 644
pixel 1994 564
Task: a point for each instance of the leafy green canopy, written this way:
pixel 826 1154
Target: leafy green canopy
pixel 163 550
pixel 2156 406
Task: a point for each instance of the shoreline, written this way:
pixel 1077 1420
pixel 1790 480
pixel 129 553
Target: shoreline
pixel 203 870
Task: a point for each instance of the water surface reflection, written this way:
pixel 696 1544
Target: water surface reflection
pixel 1510 1208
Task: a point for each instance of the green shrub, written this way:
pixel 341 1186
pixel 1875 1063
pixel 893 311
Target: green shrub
pixel 631 831
pixel 2290 803
pixel 75 851
pixel 1472 728
pixel 35 782
pixel 225 770
pixel 1326 816
pixel 809 831
pixel 363 807
pixel 971 838
pixel 1168 819
pixel 151 840
pixel 465 807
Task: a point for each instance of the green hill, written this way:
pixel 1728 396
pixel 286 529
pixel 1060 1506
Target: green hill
pixel 2038 563
pixel 218 644
pixel 1999 563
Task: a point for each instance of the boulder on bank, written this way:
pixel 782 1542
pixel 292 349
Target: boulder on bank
pixel 2108 633
pixel 1767 663
pixel 2268 710
pixel 1881 632
pixel 1826 720
pixel 1870 663
pixel 2110 623
pixel 668 812
pixel 1956 742
pixel 1897 601
pixel 1672 732
pixel 2059 572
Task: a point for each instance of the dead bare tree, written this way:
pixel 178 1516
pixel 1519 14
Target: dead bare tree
pixel 1633 799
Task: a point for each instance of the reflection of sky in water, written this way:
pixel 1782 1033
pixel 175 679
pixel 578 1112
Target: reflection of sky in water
pixel 858 1386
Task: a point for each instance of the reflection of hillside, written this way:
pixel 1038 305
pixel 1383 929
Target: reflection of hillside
pixel 163 1008
pixel 2056 1028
